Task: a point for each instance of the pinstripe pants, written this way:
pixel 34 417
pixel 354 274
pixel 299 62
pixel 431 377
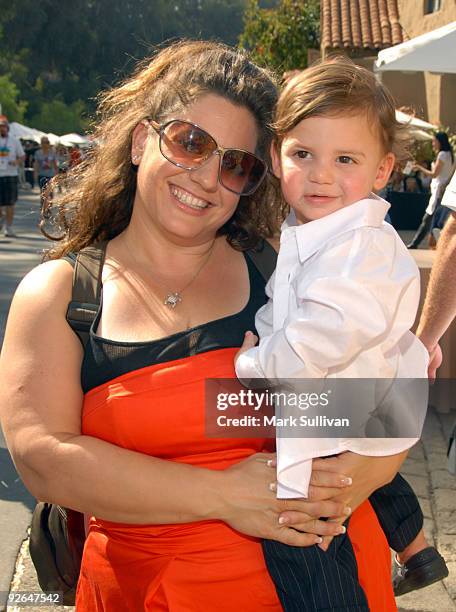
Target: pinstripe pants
pixel 398 512
pixel 311 580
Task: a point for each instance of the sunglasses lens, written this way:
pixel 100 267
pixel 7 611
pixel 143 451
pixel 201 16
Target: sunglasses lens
pixel 241 172
pixel 186 144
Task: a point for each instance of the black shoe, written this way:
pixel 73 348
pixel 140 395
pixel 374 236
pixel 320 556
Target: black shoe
pixel 421 570
pixel 412 246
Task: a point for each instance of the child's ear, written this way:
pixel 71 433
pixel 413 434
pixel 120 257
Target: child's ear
pixel 275 158
pixel 384 170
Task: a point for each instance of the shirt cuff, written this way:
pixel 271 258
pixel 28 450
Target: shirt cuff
pixel 248 366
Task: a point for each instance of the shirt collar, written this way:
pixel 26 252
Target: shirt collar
pixel 311 236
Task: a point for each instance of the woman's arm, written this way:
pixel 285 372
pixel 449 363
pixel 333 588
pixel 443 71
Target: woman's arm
pixel 41 401
pixel 436 169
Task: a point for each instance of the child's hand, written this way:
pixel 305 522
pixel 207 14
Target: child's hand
pixel 249 342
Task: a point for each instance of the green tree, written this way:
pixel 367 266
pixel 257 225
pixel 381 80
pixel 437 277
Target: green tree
pixel 69 54
pixel 12 107
pixel 61 118
pixel 209 19
pixel 280 37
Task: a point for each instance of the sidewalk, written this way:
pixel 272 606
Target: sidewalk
pixel 17 257
pixel 425 467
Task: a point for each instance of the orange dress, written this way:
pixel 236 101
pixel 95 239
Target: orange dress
pixel 203 566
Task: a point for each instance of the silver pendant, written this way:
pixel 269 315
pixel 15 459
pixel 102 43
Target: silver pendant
pixel 172 300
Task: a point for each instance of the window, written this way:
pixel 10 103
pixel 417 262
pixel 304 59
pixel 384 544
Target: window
pixel 432 6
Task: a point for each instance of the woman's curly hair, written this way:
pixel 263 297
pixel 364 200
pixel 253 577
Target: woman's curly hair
pixel 98 194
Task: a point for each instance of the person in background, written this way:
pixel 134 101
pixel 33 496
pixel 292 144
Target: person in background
pixel 75 156
pixel 396 181
pixel 424 179
pixel 439 308
pixel 440 173
pixel 63 158
pixel 45 166
pixel 30 147
pixel 11 157
pixel 411 184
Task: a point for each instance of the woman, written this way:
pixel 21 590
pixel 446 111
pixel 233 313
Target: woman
pixel 45 168
pixel 45 163
pixel 440 173
pixel 122 438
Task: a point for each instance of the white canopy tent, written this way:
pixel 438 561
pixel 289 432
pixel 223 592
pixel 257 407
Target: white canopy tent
pixel 414 121
pixel 69 140
pixel 23 131
pixel 421 130
pixel 27 133
pixel 434 51
pixel 53 139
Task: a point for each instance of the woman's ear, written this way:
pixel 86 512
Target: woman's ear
pixel 384 170
pixel 275 158
pixel 138 141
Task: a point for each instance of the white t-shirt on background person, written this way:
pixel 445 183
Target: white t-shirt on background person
pixel 10 150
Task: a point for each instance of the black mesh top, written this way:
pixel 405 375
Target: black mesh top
pixel 105 359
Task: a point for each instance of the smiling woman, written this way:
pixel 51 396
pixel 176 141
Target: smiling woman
pixel 161 96
pixel 175 193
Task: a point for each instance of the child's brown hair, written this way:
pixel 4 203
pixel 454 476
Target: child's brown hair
pixel 337 86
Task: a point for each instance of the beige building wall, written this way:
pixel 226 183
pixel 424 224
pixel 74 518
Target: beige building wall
pixel 408 89
pixel 415 21
pixel 433 96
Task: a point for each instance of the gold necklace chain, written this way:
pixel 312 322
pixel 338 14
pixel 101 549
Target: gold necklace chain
pixel 174 298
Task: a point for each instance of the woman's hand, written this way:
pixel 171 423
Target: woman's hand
pixel 420 168
pixel 249 503
pixel 367 474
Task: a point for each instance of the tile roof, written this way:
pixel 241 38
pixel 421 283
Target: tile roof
pixel 360 24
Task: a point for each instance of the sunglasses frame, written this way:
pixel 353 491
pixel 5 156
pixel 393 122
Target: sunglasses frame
pixel 220 151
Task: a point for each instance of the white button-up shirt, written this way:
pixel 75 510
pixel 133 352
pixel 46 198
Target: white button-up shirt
pixel 343 298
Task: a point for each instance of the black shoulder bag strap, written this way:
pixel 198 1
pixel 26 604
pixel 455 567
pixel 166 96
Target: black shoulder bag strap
pixel 86 293
pixel 57 534
pixel 264 258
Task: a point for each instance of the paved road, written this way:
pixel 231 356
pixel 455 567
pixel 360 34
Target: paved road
pixel 17 257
